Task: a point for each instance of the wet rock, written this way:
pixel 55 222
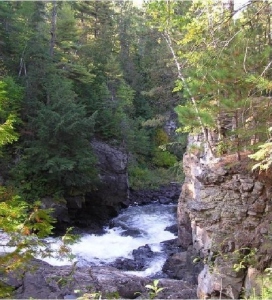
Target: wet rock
pixel 164 200
pixel 60 211
pixel 180 266
pixel 127 264
pixel 171 246
pixel 97 207
pixel 176 289
pixel 44 281
pixel 70 297
pixel 132 232
pixel 142 253
pixel 173 229
pixel 140 261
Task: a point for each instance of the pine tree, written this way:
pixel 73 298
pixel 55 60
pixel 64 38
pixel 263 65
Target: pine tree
pixel 217 57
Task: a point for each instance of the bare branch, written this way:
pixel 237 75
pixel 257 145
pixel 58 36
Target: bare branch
pixel 266 68
pixel 244 62
pixel 182 78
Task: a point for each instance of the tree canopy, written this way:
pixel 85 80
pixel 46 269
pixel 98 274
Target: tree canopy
pixel 71 71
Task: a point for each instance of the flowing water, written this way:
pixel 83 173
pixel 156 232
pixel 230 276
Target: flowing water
pixel 134 227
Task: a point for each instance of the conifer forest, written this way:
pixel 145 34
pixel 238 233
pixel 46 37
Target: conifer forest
pixel 137 77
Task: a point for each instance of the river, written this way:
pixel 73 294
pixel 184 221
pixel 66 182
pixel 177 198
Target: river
pixel 134 227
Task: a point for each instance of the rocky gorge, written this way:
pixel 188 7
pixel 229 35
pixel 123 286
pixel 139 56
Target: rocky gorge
pixel 224 217
pixel 222 234
pixel 89 213
pixel 41 280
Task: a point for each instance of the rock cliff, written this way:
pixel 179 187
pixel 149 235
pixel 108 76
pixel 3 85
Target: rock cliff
pixel 95 208
pixel 224 216
pixel 102 204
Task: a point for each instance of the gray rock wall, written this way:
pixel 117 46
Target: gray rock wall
pixel 102 204
pixel 224 213
pixel 95 208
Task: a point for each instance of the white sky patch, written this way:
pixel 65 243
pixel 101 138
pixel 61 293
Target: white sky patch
pixel 239 4
pixel 137 3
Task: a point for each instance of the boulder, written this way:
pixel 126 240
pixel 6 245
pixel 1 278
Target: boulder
pixel 172 228
pixel 140 261
pixel 43 281
pixel 181 266
pixel 171 246
pixel 127 264
pixel 60 211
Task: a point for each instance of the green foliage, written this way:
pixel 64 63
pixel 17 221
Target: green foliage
pixel 266 284
pixel 10 100
pixel 245 258
pixel 146 178
pixel 154 289
pixel 23 225
pixel 264 291
pixel 176 172
pixel 7 131
pixel 72 92
pixel 263 156
pixel 188 115
pixel 161 137
pixel 6 291
pixel 223 71
pixel 94 295
pixel 60 158
pixel 222 147
pixel 164 159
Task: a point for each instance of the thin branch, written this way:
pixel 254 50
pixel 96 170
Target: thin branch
pixel 244 62
pixel 22 63
pixel 182 78
pixel 266 68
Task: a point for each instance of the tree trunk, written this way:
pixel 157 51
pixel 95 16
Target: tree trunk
pixel 182 78
pixel 236 137
pixel 53 28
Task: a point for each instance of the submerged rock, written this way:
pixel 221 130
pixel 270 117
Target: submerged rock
pixel 127 264
pixel 140 261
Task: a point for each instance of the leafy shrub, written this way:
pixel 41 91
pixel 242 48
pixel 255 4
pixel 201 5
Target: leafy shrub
pixel 161 137
pixel 164 159
pixel 144 178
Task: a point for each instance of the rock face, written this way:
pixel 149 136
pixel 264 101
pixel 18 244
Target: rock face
pixel 44 281
pixel 98 206
pixel 224 213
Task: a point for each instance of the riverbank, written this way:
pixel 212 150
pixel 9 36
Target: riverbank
pixel 138 246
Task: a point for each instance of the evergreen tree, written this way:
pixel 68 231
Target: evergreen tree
pixel 55 152
pixel 216 57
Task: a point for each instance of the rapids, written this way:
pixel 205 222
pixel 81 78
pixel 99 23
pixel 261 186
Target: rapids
pixel 135 226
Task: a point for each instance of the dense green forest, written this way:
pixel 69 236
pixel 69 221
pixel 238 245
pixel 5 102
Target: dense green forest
pixel 71 71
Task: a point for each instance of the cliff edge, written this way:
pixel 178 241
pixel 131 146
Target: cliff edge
pixel 224 217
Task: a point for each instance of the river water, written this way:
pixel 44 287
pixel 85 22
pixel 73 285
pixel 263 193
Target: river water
pixel 135 226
